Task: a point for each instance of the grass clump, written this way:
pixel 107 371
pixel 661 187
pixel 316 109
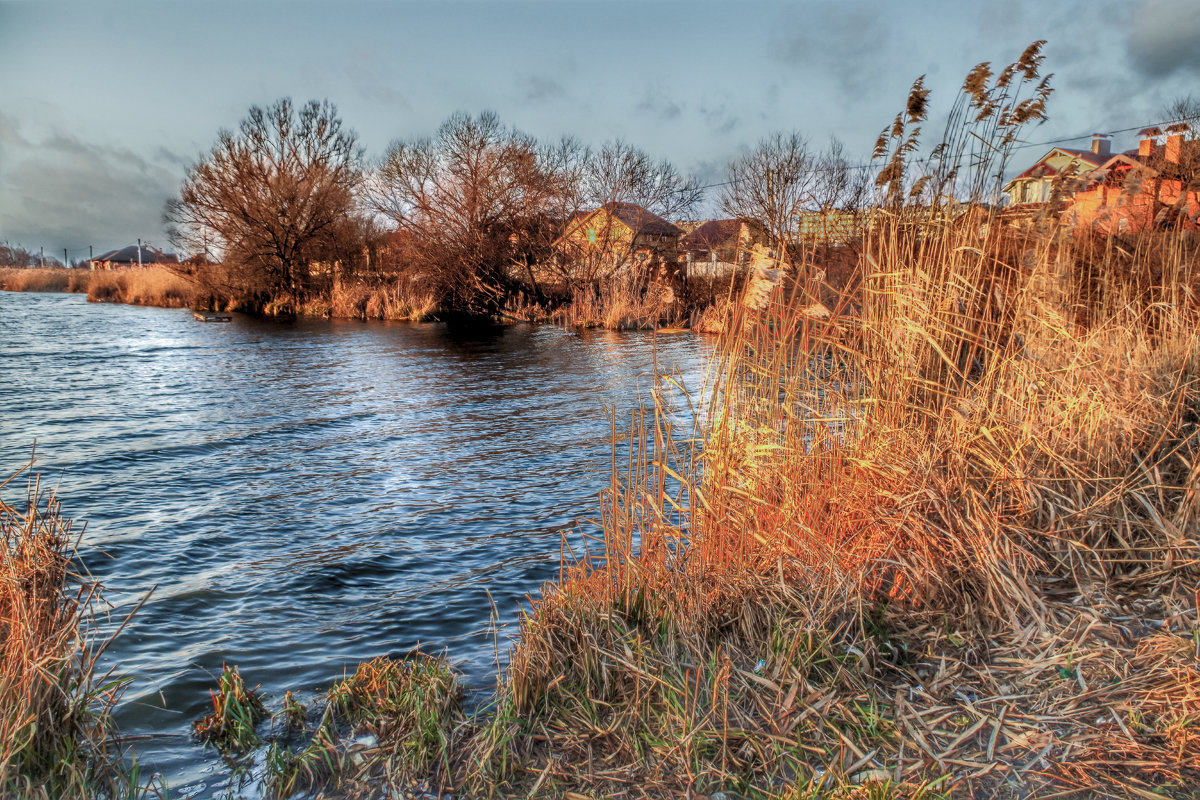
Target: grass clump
pixel 57 737
pixel 232 727
pixel 393 723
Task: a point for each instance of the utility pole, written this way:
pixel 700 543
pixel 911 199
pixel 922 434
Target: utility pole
pixel 42 256
pixel 139 252
pixel 66 263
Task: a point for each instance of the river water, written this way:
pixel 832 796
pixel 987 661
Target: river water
pixel 302 497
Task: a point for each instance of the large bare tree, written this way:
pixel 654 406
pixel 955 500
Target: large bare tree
pixel 474 204
pixel 271 199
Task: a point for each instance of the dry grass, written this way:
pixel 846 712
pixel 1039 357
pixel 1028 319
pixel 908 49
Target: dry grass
pixel 145 286
pixel 400 299
pixel 56 732
pixel 15 279
pixel 626 302
pixel 948 546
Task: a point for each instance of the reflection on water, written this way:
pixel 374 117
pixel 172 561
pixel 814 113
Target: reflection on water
pixel 307 496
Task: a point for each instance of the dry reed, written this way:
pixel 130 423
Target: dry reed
pixel 400 299
pixel 143 286
pixel 625 302
pixel 15 279
pixel 56 732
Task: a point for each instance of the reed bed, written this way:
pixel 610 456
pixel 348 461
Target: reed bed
pixel 58 279
pixel 622 303
pixel 946 546
pixel 142 286
pixel 399 299
pixel 56 733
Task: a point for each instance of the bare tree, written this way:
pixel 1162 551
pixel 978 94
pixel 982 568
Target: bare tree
pixel 16 256
pixel 473 203
pixel 1184 110
pixel 620 172
pixel 780 179
pixel 271 199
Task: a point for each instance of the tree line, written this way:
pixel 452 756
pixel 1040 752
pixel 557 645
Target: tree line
pixel 287 205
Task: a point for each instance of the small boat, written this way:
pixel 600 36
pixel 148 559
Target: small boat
pixel 212 316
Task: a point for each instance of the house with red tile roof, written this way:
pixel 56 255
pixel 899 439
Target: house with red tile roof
pixel 1156 186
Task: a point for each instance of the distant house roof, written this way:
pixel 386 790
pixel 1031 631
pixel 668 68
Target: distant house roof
pixel 1156 163
pixel 1085 154
pixel 129 255
pixel 711 234
pixel 640 220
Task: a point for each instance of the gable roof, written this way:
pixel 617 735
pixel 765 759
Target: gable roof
pixel 1154 164
pixel 639 220
pixel 1084 154
pixel 1041 169
pixel 711 234
pixel 129 255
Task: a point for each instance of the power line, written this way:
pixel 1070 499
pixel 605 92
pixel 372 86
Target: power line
pixel 1101 133
pixel 1026 145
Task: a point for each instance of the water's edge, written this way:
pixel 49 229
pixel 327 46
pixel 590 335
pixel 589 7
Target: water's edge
pixel 310 495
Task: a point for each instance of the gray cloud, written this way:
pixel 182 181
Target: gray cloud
pixel 720 118
pixel 1164 37
pixel 64 191
pixel 659 104
pixel 537 88
pixel 834 38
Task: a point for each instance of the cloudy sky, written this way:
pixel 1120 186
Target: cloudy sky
pixel 103 105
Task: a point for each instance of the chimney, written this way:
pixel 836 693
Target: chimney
pixel 1146 145
pixel 1173 148
pixel 1100 144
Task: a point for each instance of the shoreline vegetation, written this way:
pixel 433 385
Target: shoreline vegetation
pixel 57 737
pixel 940 542
pixel 618 305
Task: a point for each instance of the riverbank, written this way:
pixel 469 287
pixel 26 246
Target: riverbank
pixel 617 307
pixel 48 279
pixel 146 286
